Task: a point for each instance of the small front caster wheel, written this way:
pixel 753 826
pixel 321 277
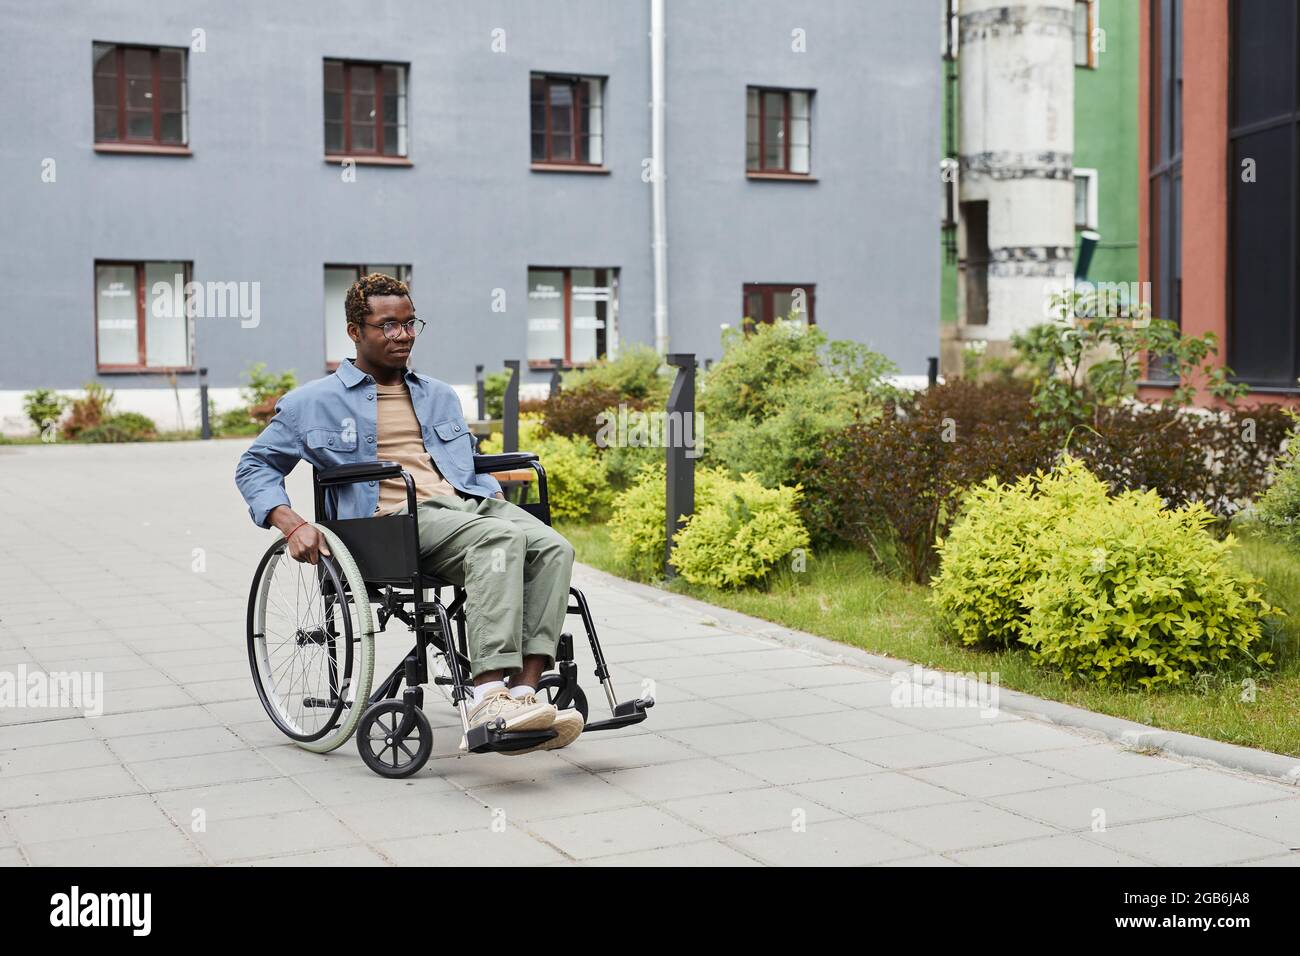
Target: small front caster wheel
pixel 394 740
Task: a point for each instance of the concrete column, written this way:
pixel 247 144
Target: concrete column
pixel 1016 128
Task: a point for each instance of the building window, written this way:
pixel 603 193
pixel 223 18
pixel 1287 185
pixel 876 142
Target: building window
pixel 1166 172
pixel 1085 198
pixel 765 302
pixel 365 109
pixel 572 315
pixel 567 119
pixel 778 131
pixel 140 95
pixel 1085 22
pixel 141 321
pixel 1263 332
pixel 338 279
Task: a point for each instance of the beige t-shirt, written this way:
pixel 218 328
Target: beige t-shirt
pixel 399 439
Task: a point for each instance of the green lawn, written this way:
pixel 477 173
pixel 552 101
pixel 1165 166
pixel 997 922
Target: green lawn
pixel 843 597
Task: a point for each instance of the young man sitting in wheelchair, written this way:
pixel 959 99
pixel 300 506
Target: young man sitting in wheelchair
pixel 512 570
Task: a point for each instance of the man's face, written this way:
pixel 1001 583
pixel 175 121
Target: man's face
pixel 372 346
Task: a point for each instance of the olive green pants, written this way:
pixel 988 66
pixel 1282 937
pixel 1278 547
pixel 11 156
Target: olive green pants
pixel 515 571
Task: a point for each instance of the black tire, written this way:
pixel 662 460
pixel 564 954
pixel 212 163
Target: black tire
pixel 381 747
pixel 562 694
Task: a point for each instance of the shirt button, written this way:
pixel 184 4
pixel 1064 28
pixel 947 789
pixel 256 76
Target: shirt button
pixel 455 428
pixel 331 441
pixel 370 396
pixel 372 484
pixel 371 439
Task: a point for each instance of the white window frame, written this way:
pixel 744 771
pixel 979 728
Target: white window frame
pixel 1093 179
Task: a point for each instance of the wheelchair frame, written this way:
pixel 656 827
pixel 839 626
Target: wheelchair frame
pixel 386 550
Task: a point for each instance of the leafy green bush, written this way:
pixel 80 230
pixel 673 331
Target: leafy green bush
pixel 139 427
pixel 106 433
pixel 88 411
pixel 577 484
pixel 776 392
pixel 634 374
pixel 494 393
pixel 893 485
pixel 43 406
pixel 744 530
pixel 1279 507
pixel 575 411
pixel 264 389
pixel 1113 589
pixel 232 422
pixel 740 535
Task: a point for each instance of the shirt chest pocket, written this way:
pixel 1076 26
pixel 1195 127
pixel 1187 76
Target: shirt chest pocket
pixel 451 430
pixel 330 441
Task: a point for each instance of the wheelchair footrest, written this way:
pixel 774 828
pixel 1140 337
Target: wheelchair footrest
pixel 486 739
pixel 626 714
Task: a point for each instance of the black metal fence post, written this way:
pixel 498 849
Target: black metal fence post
pixel 480 391
pixel 932 370
pixel 679 427
pixel 205 427
pixel 557 366
pixel 510 410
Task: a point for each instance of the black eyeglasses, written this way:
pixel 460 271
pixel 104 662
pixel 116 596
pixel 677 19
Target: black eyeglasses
pixel 413 327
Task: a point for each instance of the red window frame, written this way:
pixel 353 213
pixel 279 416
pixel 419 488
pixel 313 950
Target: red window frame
pixel 767 290
pixel 347 66
pixel 579 128
pixel 784 168
pixel 141 323
pixel 155 70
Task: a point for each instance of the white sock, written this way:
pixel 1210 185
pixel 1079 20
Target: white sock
pixel 482 690
pixel 522 690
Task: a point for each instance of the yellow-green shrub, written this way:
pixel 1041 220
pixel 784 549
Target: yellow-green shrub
pixel 744 528
pixel 577 482
pixel 1115 589
pixel 739 537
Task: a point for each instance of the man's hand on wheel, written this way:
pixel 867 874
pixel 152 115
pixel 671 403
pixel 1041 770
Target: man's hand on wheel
pixel 305 543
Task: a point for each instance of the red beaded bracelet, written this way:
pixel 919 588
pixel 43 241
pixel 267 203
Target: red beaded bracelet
pixel 291 533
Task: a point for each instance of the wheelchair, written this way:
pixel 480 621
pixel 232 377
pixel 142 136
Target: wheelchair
pixel 311 635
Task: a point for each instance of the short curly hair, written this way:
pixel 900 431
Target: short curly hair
pixel 357 303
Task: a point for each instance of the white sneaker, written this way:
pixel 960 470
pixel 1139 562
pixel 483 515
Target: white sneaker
pixel 522 713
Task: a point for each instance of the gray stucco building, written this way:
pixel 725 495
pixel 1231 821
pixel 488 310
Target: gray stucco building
pixel 498 153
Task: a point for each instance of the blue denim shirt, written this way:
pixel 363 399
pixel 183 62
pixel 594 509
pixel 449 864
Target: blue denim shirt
pixel 331 421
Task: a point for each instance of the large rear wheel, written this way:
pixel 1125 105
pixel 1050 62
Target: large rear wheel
pixel 311 644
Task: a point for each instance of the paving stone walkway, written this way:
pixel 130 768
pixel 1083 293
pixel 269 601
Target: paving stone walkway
pixel 135 561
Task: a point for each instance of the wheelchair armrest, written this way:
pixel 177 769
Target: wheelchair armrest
pixel 483 464
pixel 358 471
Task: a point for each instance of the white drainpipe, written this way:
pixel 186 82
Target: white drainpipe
pixel 659 224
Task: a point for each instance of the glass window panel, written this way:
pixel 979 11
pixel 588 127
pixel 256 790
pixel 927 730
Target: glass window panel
pixel 171 64
pixel 106 91
pixel 115 315
pixel 363 79
pixel 799 100
pixel 545 314
pixel 754 306
pixel 333 137
pixel 170 95
pixel 138 62
pixel 1080 200
pixel 388 270
pixel 139 93
pixel 139 125
pixel 363 137
pixel 106 124
pixel 595 119
pixel 333 107
pixel 166 329
pixel 588 312
pixel 173 128
pixel 539 147
pixel 337 281
pixel 1264 53
pixel 1080 32
pixel 363 107
pixel 774 130
pixel 334 76
pixel 751 130
pixel 105 59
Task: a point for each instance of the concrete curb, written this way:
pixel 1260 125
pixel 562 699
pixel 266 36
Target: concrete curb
pixel 1131 735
